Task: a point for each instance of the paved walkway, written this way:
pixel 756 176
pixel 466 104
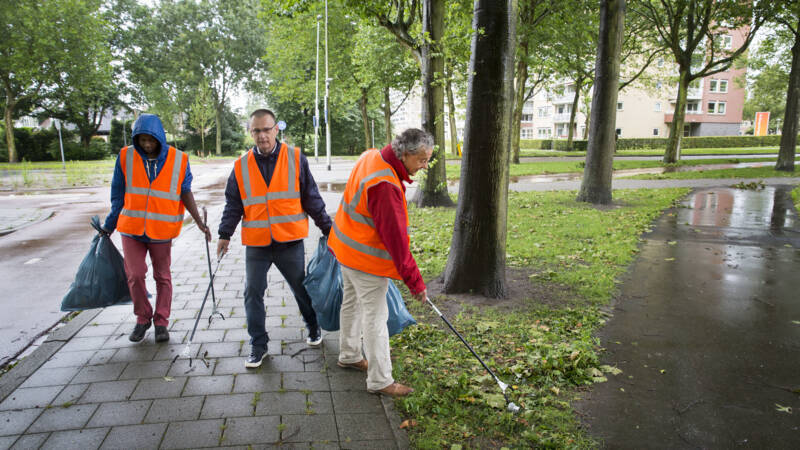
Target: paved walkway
pixel 89 387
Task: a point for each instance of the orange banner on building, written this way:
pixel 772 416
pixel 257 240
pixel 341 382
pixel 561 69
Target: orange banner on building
pixel 762 124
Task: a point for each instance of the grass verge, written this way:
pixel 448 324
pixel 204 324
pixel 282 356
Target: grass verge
pixel 796 197
pixel 747 172
pixel 573 254
pixel 554 167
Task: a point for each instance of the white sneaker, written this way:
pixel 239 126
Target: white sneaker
pixel 314 338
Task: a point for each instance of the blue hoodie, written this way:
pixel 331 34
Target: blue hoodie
pixel 146 124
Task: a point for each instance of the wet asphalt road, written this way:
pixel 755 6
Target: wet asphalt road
pixel 706 330
pixel 39 261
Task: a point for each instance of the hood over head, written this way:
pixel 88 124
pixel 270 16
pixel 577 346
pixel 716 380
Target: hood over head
pixel 149 124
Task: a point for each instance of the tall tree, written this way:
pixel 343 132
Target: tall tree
pixel 403 18
pixel 379 60
pixel 529 32
pixel 596 185
pixel 186 41
pixel 202 114
pixel 40 42
pixel 695 33
pixel 480 224
pixel 789 17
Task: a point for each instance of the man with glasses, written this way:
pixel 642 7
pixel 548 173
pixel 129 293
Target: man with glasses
pixel 271 190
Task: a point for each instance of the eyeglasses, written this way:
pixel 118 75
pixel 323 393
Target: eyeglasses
pixel 262 130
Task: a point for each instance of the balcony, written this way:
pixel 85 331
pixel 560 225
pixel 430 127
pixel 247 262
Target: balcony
pixel 561 118
pixel 689 117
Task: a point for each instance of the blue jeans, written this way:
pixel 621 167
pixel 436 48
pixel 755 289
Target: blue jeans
pixel 290 260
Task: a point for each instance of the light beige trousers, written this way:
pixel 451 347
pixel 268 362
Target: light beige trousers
pixel 364 313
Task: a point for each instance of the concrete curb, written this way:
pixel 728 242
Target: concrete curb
pixel 48 214
pixel 400 436
pixel 28 365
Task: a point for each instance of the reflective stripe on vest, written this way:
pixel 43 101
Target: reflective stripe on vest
pixel 274 211
pixel 153 208
pixel 354 239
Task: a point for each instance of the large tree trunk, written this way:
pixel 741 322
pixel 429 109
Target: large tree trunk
pixel 451 109
pixel 519 97
pixel 673 151
pixel 362 106
pixel 387 115
pixel 789 130
pixel 477 259
pixel 218 123
pixel 574 113
pixel 9 121
pixel 433 192
pixel 596 185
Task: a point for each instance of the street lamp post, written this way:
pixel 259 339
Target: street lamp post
pixel 777 126
pixel 60 143
pixel 327 86
pixel 316 98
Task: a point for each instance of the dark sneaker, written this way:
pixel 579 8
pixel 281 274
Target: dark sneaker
pixel 138 332
pixel 257 354
pixel 162 335
pixel 314 338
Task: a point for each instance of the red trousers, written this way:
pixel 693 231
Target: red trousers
pixel 136 270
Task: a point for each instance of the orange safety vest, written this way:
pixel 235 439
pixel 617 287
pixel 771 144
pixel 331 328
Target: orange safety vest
pixel 271 212
pixel 353 238
pixel 154 209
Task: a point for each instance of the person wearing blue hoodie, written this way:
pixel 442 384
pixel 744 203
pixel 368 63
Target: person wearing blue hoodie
pixel 151 187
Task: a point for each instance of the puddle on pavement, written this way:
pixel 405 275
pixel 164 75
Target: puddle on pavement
pixel 740 208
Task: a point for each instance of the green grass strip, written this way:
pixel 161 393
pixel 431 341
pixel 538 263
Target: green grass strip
pixel 544 347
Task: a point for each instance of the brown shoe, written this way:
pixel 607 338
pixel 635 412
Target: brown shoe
pixel 393 390
pixel 361 365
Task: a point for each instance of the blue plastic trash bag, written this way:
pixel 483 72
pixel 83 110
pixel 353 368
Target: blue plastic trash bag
pixel 323 282
pixel 399 317
pixel 101 279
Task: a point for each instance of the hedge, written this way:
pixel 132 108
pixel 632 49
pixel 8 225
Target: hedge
pixel 772 140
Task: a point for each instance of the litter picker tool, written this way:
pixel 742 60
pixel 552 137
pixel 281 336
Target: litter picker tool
pixel 211 283
pixel 187 350
pixel 510 406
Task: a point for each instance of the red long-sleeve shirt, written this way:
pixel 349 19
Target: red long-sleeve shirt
pixel 385 203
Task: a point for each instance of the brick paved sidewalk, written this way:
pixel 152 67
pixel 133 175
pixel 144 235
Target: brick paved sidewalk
pixel 89 387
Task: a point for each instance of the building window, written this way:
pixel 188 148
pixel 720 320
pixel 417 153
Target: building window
pixel 660 62
pixel 526 133
pixel 544 111
pixel 718 86
pixel 692 107
pixel 659 85
pixel 716 107
pixel 563 109
pixel 527 117
pixel 544 132
pixel 619 106
pixel 619 132
pixel 656 131
pixel 727 42
pixel 657 106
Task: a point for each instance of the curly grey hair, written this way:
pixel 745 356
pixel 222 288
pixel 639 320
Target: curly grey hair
pixel 411 142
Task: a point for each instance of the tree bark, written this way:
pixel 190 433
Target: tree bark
pixel 433 191
pixel 362 106
pixel 673 151
pixel 519 97
pixel 218 123
pixel 596 185
pixel 451 106
pixel 573 113
pixel 789 131
pixel 9 121
pixel 387 115
pixel 477 259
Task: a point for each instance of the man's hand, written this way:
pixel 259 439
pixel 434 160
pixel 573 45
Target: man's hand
pixel 205 231
pixel 105 232
pixel 422 296
pixel 222 247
